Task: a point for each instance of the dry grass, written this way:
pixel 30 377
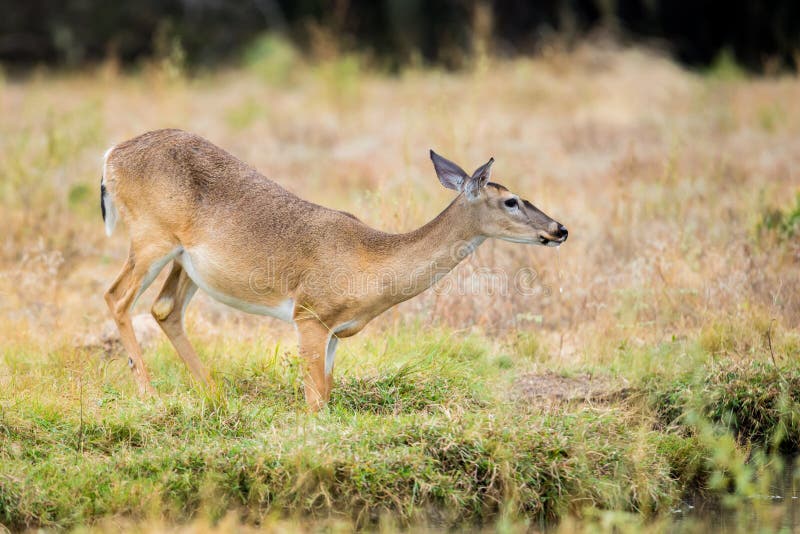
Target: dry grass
pixel 678 190
pixel 663 178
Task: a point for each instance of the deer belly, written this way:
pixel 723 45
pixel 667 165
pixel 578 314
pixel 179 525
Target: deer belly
pixel 202 274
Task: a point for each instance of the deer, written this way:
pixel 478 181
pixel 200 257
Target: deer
pixel 251 244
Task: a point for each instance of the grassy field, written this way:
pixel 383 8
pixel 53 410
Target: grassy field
pixel 654 362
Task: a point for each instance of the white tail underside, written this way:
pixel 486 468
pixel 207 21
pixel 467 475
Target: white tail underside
pixel 108 202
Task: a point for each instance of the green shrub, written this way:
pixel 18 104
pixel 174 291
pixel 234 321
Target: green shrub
pixel 784 223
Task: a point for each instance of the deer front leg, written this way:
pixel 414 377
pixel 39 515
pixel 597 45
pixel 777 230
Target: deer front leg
pixel 313 346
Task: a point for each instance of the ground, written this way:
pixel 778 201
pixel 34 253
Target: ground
pixel 650 360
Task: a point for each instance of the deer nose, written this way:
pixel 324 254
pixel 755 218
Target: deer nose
pixel 556 229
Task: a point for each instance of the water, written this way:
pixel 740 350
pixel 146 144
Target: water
pixel 776 511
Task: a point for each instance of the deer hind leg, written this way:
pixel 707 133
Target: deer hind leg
pixel 330 352
pixel 139 270
pixel 168 310
pixel 313 349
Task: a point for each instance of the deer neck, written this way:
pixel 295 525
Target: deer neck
pixel 418 259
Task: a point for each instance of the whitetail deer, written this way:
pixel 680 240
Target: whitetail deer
pixel 252 245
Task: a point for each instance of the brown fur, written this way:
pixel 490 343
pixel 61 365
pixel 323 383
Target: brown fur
pixel 257 243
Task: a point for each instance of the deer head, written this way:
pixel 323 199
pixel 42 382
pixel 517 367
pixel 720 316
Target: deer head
pixel 497 211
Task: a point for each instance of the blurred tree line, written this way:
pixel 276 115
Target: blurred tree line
pixel 758 34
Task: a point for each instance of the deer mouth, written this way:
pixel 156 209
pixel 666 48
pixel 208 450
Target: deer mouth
pixel 550 240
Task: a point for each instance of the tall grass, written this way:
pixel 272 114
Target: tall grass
pixel 677 284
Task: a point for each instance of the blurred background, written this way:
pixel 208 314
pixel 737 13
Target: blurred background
pixel 763 36
pixel 664 134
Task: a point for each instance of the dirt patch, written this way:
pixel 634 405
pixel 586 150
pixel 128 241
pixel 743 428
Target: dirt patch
pixel 585 387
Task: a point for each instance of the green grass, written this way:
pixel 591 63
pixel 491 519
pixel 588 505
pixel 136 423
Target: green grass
pixel 757 402
pixel 423 427
pixel 784 223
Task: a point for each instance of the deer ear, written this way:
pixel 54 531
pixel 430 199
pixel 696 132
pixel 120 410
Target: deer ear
pixel 478 179
pixel 451 175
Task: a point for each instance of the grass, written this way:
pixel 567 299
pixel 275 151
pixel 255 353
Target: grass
pixel 756 402
pixel 675 291
pixel 785 223
pixel 428 435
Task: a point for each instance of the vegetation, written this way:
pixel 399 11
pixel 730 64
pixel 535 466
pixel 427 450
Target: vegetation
pixel 431 434
pixel 394 33
pixel 673 298
pixel 785 223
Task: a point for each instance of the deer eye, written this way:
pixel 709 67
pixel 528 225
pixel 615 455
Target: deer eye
pixel 511 203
